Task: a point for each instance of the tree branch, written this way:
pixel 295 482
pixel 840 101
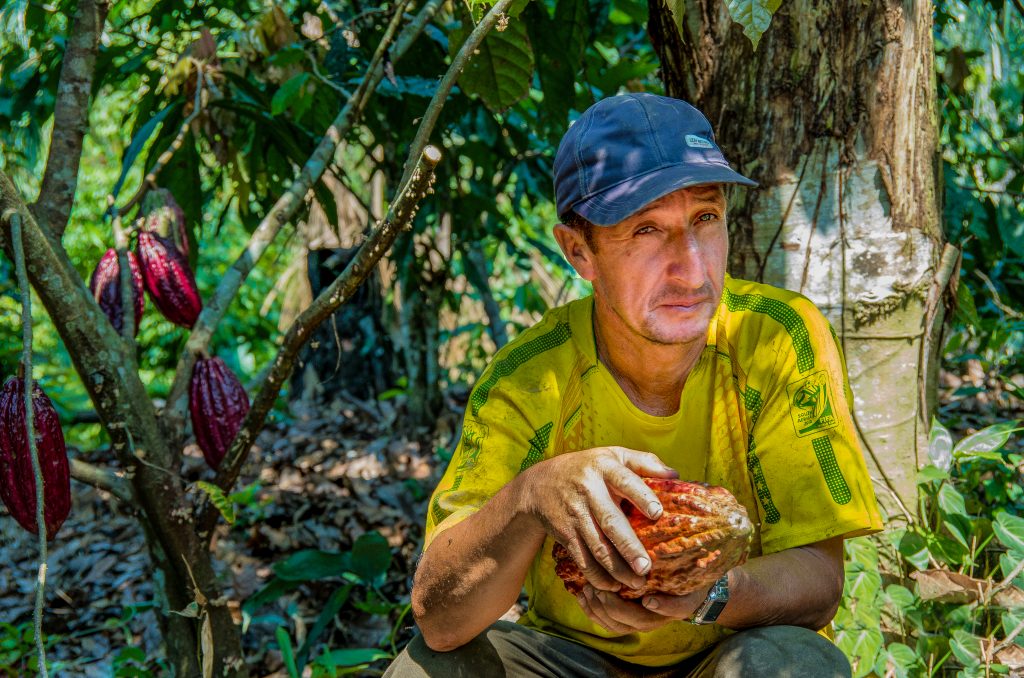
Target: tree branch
pixel 216 306
pixel 70 117
pixel 101 478
pixel 399 218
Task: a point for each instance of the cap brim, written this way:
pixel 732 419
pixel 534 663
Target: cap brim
pixel 623 199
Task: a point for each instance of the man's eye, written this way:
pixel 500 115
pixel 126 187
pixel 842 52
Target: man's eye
pixel 707 216
pixel 643 229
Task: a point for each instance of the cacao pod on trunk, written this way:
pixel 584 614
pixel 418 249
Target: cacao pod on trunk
pixel 702 533
pixel 166 218
pixel 17 481
pixel 168 279
pixel 218 404
pixel 105 285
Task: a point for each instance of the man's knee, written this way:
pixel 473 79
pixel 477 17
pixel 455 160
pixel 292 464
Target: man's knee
pixel 778 651
pixel 478 657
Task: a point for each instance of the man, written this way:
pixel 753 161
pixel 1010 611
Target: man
pixel 671 368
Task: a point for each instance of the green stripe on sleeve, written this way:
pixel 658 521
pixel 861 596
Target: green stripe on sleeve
pixel 782 313
pixel 830 469
pixel 515 358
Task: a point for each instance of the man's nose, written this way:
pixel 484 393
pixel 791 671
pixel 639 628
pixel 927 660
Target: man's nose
pixel 686 261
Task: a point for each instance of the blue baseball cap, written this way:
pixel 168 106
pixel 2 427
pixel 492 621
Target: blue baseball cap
pixel 629 150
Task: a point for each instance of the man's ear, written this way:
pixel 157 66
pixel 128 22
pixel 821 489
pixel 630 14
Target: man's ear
pixel 576 250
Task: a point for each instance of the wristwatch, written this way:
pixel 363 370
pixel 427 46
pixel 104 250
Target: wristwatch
pixel 713 605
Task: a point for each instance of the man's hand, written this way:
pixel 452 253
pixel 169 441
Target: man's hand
pixel 575 498
pixel 629 616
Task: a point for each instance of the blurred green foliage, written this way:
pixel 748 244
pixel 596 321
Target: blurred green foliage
pixel 980 62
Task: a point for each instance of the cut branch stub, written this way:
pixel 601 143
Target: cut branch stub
pixel 105 285
pixel 218 404
pixel 169 280
pixel 17 480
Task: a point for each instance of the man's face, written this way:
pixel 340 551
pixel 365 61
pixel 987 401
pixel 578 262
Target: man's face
pixel 659 274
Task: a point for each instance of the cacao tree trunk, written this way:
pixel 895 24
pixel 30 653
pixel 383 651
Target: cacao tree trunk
pixel 834 114
pixel 184 568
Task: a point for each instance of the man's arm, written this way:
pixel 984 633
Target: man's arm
pixel 472 572
pixel 801 586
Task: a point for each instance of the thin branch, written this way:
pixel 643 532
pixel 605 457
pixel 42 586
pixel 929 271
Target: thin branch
pixel 18 245
pixel 399 218
pixel 101 478
pixel 149 181
pixel 445 87
pixel 70 117
pixel 216 306
pixel 995 296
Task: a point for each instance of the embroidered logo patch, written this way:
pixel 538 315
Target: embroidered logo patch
pixel 694 141
pixel 810 401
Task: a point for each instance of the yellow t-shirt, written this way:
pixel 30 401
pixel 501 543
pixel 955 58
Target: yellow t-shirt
pixel 765 412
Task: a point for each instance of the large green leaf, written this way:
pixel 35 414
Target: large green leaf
pixel 311 564
pixel 985 442
pixel 371 557
pixel 336 659
pixel 940 445
pixel 1009 530
pixel 558 49
pixel 754 15
pixel 502 68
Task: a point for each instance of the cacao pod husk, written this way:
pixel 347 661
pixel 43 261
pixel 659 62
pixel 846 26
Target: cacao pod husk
pixel 105 285
pixel 17 481
pixel 166 218
pixel 168 279
pixel 218 403
pixel 702 533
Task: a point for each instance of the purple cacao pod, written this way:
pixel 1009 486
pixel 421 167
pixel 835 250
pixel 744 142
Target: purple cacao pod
pixel 218 404
pixel 105 285
pixel 166 218
pixel 168 279
pixel 17 481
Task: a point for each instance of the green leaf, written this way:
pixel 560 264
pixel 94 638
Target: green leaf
pixel 326 616
pixel 217 498
pixel 138 142
pixel 371 557
pixel 284 642
pixel 900 596
pixel 940 446
pixel 951 501
pixel 311 564
pixel 930 474
pixel 754 15
pixel 966 647
pixel 350 657
pixel 273 590
pixel 862 647
pixel 192 610
pixel 1009 531
pixel 987 440
pixel 288 92
pixel 558 50
pixel 501 70
pixel 965 307
pixel 915 549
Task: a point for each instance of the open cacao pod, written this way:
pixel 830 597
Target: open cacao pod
pixel 17 481
pixel 168 279
pixel 105 285
pixel 218 404
pixel 702 533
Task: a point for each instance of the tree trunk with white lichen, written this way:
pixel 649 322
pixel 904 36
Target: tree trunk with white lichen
pixel 834 114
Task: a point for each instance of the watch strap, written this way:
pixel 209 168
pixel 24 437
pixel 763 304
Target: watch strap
pixel 713 605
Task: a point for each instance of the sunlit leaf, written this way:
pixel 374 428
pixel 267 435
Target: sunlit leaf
pixel 217 498
pixel 940 446
pixel 753 15
pixel 1009 531
pixel 987 440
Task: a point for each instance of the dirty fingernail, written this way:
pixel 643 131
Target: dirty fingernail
pixel 641 565
pixel 651 603
pixel 654 510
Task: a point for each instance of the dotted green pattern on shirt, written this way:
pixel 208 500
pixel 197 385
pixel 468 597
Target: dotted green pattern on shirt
pixel 753 402
pixel 538 443
pixel 830 468
pixel 783 314
pixel 516 357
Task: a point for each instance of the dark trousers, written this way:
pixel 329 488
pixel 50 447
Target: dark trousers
pixel 507 650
